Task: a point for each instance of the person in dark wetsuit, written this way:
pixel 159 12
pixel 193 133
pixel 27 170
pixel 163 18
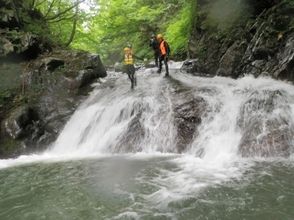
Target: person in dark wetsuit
pixel 164 50
pixel 154 44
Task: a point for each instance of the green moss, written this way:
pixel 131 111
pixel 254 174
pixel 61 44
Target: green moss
pixel 9 147
pixel 5 96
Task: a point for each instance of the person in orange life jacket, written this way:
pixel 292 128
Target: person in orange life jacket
pixel 164 54
pixel 129 67
pixel 154 44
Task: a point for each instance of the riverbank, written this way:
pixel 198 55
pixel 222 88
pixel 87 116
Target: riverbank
pixel 41 83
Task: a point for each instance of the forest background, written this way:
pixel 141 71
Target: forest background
pixel 107 26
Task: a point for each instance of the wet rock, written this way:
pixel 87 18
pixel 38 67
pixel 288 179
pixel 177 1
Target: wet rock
pixel 286 68
pixel 259 41
pixel 79 69
pixel 6 46
pixel 187 119
pixel 189 66
pixel 16 42
pixel 259 6
pixel 231 59
pixel 262 54
pixel 19 45
pixel 54 83
pixel 52 63
pixel 33 74
pixel 130 141
pixel 20 122
pixel 85 77
pixel 275 142
pixel 264 123
pixel 22 133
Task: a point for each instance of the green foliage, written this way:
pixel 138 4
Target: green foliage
pixel 107 26
pixel 122 22
pixel 59 15
pixel 6 14
pixel 178 31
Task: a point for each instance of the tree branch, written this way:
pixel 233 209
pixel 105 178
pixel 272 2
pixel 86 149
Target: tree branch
pixel 50 7
pixel 65 11
pixel 74 25
pixel 40 3
pixel 62 19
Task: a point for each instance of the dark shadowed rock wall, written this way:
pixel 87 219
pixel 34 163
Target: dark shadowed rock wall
pixel 244 37
pixel 40 85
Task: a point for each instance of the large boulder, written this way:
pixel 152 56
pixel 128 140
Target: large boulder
pixel 187 119
pixel 231 59
pixel 40 87
pixel 188 111
pixel 20 122
pixel 22 128
pixel 264 123
pixel 52 86
pixel 131 140
pixel 76 69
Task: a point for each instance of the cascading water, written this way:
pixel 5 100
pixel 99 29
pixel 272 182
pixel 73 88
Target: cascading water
pixel 117 120
pixel 121 121
pixel 133 167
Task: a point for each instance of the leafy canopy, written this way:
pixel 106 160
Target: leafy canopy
pixel 107 26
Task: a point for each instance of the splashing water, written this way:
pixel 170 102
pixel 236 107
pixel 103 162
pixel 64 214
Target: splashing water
pixel 127 141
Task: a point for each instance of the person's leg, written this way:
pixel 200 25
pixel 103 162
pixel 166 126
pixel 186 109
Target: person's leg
pixel 134 80
pixel 129 72
pixel 160 64
pixel 166 66
pixel 156 55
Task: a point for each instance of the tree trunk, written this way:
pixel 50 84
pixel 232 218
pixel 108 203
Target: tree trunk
pixel 74 26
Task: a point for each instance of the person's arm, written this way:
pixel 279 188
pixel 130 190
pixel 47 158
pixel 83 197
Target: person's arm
pixel 167 48
pixel 139 58
pixel 151 43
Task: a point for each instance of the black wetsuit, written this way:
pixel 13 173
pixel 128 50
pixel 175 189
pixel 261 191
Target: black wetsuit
pixel 130 70
pixel 155 46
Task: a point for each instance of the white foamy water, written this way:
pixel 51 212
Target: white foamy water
pixel 105 123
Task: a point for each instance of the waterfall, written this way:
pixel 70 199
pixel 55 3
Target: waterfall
pixel 115 119
pixel 217 120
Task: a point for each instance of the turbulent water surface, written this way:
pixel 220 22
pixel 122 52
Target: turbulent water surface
pixel 118 158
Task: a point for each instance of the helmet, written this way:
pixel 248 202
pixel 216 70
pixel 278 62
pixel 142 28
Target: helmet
pixel 127 49
pixel 159 36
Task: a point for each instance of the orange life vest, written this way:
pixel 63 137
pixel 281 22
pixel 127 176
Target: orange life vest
pixel 162 48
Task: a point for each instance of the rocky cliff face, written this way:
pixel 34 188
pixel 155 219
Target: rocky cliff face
pixel 41 85
pixel 19 28
pixel 244 37
pixel 235 38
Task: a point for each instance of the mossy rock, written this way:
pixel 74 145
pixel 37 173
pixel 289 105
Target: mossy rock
pixel 10 148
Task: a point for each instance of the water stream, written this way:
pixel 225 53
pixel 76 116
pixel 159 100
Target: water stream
pixel 117 157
